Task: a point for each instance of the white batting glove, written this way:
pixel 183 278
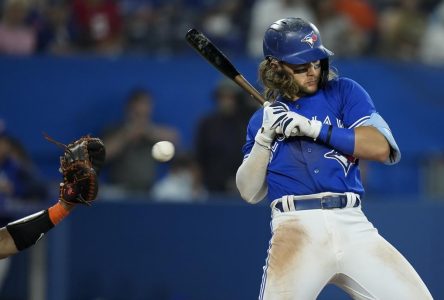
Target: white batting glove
pixel 273 114
pixel 294 124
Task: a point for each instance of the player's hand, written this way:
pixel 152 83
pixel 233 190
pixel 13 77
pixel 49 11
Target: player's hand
pixel 272 116
pixel 294 124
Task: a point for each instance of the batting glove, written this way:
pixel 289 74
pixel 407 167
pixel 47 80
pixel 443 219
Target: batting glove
pixel 272 116
pixel 294 124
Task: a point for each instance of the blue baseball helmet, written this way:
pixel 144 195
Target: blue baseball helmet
pixel 295 41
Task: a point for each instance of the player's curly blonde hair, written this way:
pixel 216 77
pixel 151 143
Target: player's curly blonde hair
pixel 280 82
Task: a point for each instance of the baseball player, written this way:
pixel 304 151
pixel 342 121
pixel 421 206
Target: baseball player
pixel 302 152
pixel 80 166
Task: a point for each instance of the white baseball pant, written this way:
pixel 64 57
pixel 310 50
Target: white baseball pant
pixel 311 248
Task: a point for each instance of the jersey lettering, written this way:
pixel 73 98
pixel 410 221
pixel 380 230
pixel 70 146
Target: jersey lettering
pixel 339 123
pixel 327 121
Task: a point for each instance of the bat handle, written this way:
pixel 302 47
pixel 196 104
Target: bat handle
pixel 243 83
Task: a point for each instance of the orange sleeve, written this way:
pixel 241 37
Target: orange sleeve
pixel 57 212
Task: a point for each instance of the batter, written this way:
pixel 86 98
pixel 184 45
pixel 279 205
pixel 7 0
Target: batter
pixel 302 153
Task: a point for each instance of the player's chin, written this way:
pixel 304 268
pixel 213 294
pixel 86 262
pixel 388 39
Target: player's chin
pixel 311 87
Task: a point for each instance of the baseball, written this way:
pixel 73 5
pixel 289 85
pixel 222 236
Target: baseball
pixel 163 151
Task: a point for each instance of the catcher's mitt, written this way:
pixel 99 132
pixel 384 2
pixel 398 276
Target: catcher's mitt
pixel 80 165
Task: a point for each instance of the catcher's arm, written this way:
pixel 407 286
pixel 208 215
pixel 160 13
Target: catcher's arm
pixel 7 245
pixel 80 165
pixel 25 232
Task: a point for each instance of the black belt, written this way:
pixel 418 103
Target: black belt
pixel 327 202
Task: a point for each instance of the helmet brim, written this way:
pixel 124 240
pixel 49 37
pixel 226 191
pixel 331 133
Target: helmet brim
pixel 307 56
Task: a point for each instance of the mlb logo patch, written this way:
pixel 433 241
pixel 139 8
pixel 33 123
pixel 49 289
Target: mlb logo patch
pixel 310 39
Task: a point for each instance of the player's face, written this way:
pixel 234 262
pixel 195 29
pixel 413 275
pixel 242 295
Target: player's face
pixel 306 76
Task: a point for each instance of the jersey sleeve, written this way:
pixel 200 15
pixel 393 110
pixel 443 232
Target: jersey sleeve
pixel 357 105
pixel 253 126
pixel 358 110
pixel 379 123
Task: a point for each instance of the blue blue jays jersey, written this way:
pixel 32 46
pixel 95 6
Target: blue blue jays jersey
pixel 301 166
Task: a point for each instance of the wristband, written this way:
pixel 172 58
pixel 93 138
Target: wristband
pixel 57 212
pixel 341 139
pixel 325 133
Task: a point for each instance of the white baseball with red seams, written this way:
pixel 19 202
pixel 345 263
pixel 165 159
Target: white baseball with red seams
pixel 163 151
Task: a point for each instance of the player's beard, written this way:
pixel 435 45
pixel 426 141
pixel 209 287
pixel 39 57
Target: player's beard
pixel 292 89
pixel 309 88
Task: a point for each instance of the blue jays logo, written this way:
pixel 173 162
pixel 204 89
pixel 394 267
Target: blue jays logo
pixel 345 161
pixel 310 39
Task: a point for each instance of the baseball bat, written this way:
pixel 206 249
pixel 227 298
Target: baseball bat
pixel 214 56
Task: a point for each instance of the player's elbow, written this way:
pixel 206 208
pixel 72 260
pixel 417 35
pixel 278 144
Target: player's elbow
pixel 382 153
pixel 248 194
pixel 252 199
pixel 248 191
pixel 253 194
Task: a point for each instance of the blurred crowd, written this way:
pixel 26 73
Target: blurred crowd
pixel 400 29
pixel 207 169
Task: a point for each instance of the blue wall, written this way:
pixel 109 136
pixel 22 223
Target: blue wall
pixel 69 97
pixel 216 251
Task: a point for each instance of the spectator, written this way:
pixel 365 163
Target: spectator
pixel 432 42
pixel 139 26
pixel 128 145
pixel 401 30
pixel 98 25
pixel 265 12
pixel 360 12
pixel 156 27
pixel 226 23
pixel 182 183
pixel 16 37
pixel 349 26
pixel 220 135
pixel 54 28
pixel 17 175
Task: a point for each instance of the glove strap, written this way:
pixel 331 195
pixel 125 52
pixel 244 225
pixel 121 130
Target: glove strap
pixel 266 147
pixel 70 195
